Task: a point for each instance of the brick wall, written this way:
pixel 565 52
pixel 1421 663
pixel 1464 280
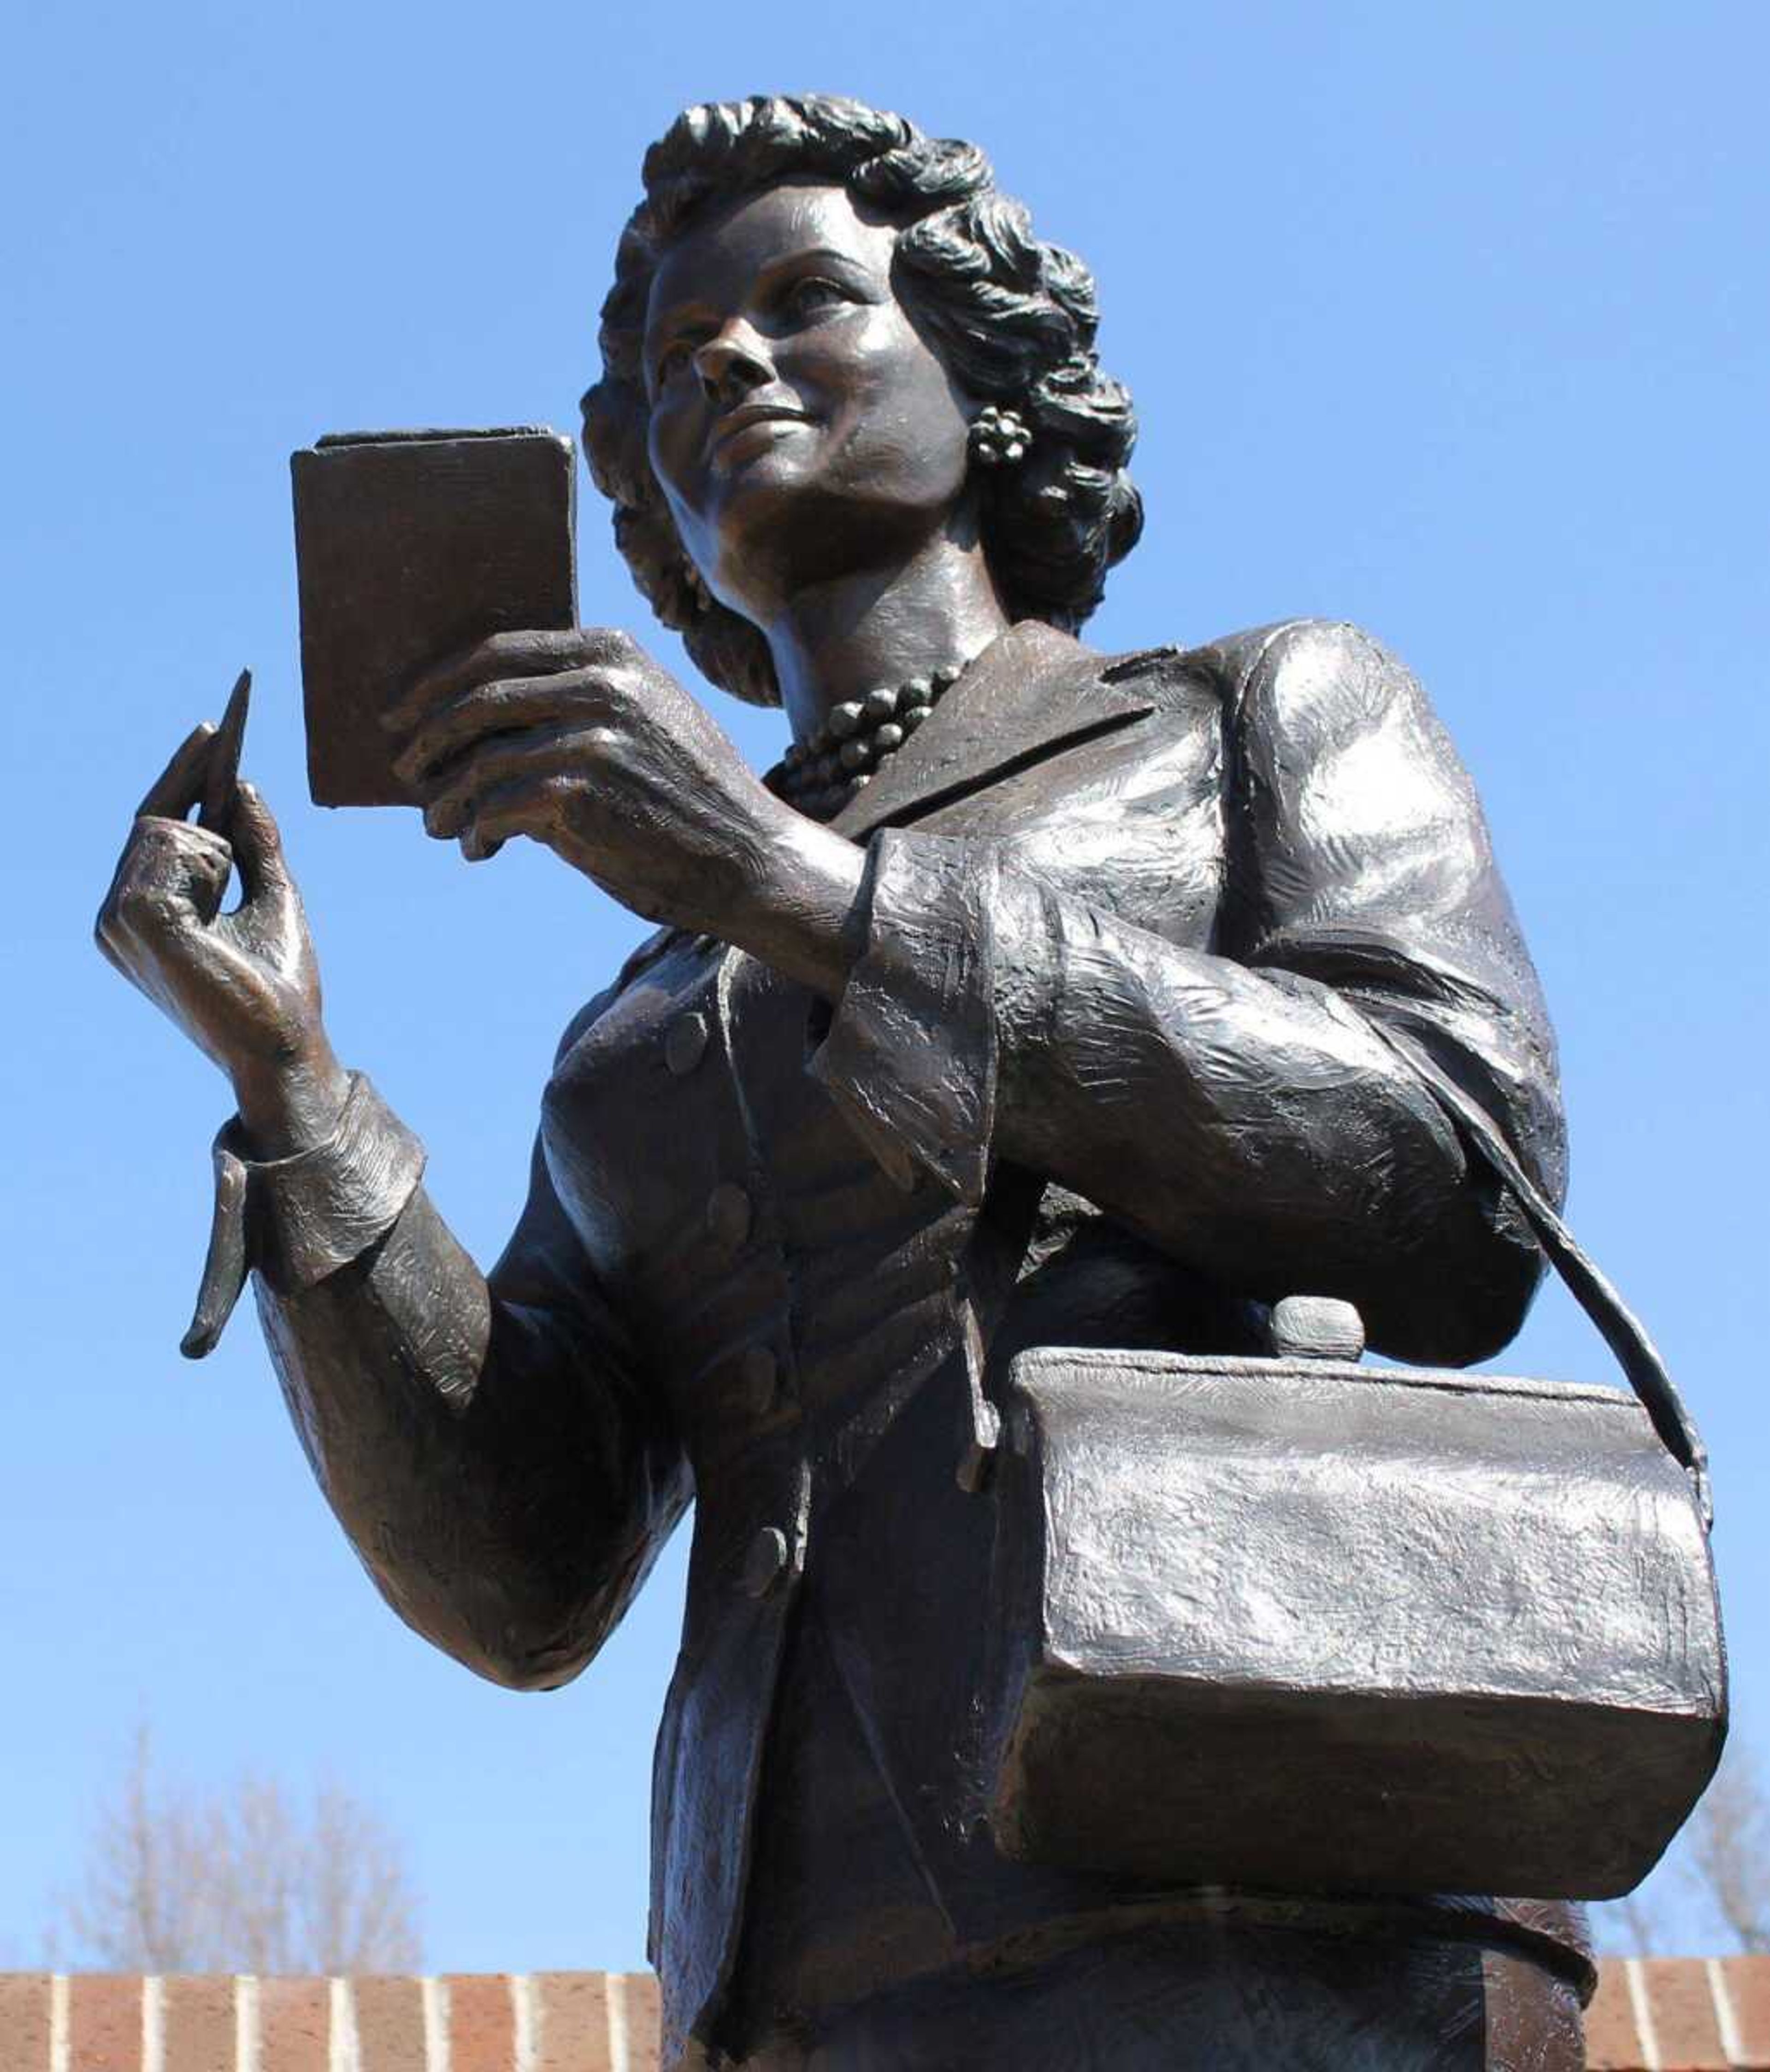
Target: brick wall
pixel 550 2021
pixel 1678 2014
pixel 1670 2014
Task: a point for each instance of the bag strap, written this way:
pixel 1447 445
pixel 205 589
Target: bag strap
pixel 1618 1326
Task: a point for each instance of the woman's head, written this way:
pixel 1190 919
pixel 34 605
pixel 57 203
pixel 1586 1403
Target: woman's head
pixel 1011 320
pixel 803 429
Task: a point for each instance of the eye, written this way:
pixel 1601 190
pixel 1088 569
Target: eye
pixel 812 292
pixel 671 361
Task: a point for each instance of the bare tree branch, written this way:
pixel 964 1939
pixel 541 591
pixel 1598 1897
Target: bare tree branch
pixel 1729 1850
pixel 243 1879
pixel 1631 1927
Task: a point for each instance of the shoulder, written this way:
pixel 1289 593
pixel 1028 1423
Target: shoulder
pixel 1233 658
pixel 1236 659
pixel 1317 676
pixel 1302 693
pixel 1293 667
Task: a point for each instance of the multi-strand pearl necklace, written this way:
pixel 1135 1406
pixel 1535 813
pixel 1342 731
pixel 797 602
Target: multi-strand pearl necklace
pixel 821 775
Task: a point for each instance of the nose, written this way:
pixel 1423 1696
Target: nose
pixel 731 365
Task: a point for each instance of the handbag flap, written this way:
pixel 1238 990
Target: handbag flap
pixel 1295 1523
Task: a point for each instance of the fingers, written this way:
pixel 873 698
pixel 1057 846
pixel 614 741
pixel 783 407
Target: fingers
pixel 179 866
pixel 503 655
pixel 526 758
pixel 466 719
pixel 169 885
pixel 525 805
pixel 179 785
pixel 258 850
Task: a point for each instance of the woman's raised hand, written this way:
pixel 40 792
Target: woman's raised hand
pixel 243 985
pixel 580 741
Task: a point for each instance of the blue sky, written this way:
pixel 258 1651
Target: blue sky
pixel 1452 321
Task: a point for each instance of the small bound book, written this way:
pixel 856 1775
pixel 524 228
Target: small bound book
pixel 409 547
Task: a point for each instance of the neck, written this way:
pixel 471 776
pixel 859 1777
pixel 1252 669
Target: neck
pixel 838 639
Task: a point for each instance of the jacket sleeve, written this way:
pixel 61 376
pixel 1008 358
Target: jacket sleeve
pixel 491 1445
pixel 1241 1107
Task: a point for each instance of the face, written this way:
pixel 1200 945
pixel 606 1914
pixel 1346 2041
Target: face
pixel 801 427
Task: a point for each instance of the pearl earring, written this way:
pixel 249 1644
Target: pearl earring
pixel 999 437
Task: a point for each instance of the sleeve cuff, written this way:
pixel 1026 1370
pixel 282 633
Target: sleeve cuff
pixel 910 1055
pixel 298 1219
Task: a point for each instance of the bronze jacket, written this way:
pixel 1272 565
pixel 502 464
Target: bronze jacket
pixel 1104 1073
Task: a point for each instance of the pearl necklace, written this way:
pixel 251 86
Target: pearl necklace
pixel 821 775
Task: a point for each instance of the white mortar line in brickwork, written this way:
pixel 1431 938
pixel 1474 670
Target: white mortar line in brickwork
pixel 1636 1978
pixel 1725 2019
pixel 524 2043
pixel 58 2022
pixel 434 1997
pixel 615 2000
pixel 153 2025
pixel 246 2024
pixel 343 2053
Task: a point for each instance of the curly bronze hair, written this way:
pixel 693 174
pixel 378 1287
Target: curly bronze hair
pixel 1013 318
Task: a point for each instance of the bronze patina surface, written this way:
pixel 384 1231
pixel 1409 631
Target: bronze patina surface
pixel 1040 999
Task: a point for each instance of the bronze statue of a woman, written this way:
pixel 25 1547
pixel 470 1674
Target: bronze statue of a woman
pixel 1035 998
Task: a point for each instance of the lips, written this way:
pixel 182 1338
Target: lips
pixel 746 414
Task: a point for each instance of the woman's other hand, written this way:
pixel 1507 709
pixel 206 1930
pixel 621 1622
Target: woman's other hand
pixel 581 740
pixel 243 985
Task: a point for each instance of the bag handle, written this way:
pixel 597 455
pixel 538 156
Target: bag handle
pixel 1617 1324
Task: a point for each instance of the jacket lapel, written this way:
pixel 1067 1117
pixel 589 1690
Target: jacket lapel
pixel 1032 693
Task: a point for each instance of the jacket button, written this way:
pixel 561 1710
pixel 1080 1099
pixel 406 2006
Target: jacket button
pixel 728 1215
pixel 765 1561
pixel 759 1372
pixel 686 1044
